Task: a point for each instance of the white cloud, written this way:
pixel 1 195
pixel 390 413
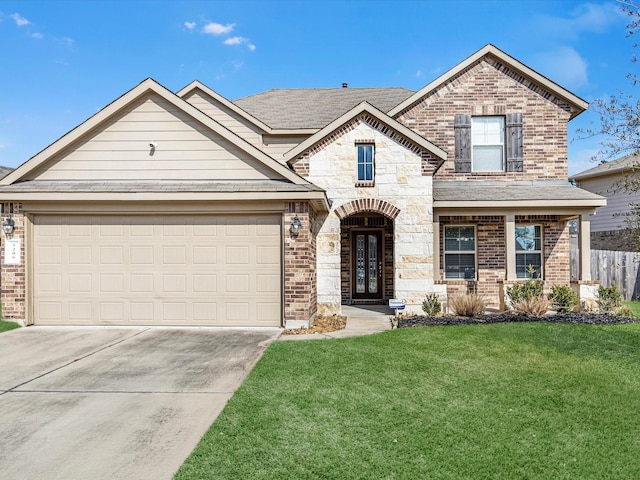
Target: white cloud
pixel 240 41
pixel 585 18
pixel 235 41
pixel 213 28
pixel 582 160
pixel 190 25
pixel 37 35
pixel 20 20
pixel 564 65
pixel 419 73
pixel 67 41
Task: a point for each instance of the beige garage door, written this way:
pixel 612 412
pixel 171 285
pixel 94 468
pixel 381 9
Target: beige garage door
pixel 157 270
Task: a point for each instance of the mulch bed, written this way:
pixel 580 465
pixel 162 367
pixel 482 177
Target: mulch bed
pixel 321 325
pixel 583 318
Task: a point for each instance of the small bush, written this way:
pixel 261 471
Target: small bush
pixel 467 305
pixel 624 311
pixel 563 298
pixel 532 307
pixel 431 305
pixel 524 291
pixel 609 299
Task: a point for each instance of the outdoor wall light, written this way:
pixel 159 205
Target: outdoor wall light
pixel 296 226
pixel 8 226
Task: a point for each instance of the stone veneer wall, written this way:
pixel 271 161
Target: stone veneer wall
pixel 490 251
pixel 490 88
pixel 300 294
pixel 401 181
pixel 12 282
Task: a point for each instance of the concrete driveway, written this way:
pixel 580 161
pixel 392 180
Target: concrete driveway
pixel 114 403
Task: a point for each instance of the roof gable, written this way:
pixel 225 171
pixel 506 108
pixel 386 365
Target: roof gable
pixel 38 164
pixel 402 134
pixel 196 86
pixel 535 81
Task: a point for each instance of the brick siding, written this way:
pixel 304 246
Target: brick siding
pixel 489 88
pixel 12 282
pixel 300 294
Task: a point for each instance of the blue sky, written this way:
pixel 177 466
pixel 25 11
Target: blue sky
pixel 61 61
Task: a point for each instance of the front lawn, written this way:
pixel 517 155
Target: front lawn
pixel 5 326
pixel 634 305
pixel 498 401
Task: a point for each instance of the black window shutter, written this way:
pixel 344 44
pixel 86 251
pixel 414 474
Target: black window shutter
pixel 514 142
pixel 462 131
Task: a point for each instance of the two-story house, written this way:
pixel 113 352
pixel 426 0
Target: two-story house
pixel 190 209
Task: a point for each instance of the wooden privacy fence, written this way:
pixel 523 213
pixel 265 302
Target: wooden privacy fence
pixel 611 267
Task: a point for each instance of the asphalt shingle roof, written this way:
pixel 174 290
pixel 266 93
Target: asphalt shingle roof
pixel 620 164
pixel 513 192
pixel 44 186
pixel 308 108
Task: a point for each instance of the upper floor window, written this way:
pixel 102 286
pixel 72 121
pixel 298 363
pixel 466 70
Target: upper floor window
pixel 365 162
pixel 487 139
pixel 528 251
pixel 492 144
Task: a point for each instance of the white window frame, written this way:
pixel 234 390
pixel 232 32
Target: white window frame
pixel 373 162
pixel 473 252
pixel 480 137
pixel 539 251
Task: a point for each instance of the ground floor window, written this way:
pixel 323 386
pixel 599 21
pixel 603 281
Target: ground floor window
pixel 528 251
pixel 460 252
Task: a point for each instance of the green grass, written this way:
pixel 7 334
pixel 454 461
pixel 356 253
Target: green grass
pixel 503 401
pixel 634 306
pixel 6 326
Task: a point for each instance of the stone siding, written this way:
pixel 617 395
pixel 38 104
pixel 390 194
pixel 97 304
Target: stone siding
pixel 490 88
pixel 400 183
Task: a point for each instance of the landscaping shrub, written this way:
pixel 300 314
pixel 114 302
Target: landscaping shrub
pixel 624 311
pixel 431 305
pixel 467 305
pixel 532 307
pixel 563 298
pixel 525 291
pixel 609 299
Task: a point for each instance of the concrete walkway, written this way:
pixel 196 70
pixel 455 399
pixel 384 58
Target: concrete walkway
pixel 361 320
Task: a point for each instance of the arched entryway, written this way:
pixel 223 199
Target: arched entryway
pixel 366 258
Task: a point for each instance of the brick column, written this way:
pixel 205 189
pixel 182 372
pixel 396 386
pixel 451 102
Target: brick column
pixel 300 292
pixel 12 281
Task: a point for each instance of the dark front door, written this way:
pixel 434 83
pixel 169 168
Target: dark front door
pixel 367 265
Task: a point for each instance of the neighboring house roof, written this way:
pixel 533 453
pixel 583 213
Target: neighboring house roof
pixel 4 171
pixel 630 162
pixel 515 194
pixel 314 108
pixel 365 107
pixel 577 104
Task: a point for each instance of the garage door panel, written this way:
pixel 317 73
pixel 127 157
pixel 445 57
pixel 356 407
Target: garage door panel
pixel 139 270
